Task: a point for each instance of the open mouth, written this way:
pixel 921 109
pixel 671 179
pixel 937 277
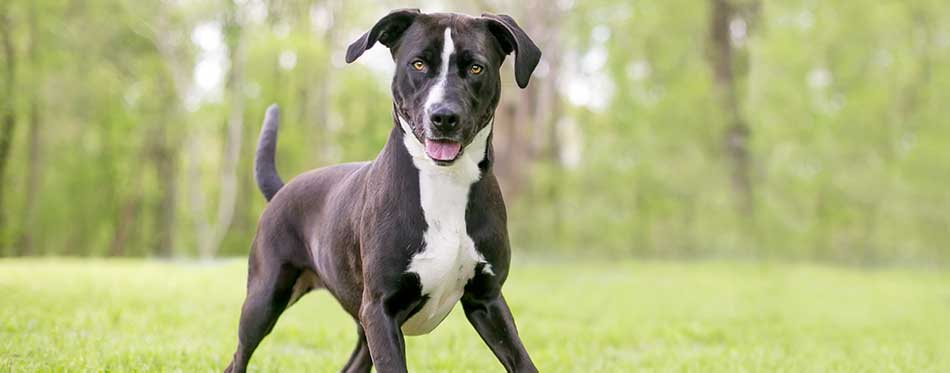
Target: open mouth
pixel 443 151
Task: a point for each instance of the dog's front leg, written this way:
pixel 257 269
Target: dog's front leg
pixel 384 337
pixel 492 319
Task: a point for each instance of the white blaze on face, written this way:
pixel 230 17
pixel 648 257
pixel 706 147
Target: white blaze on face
pixel 438 89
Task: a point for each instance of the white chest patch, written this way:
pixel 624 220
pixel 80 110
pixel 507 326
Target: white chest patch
pixel 448 258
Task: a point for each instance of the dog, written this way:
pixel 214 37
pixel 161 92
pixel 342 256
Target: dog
pixel 399 240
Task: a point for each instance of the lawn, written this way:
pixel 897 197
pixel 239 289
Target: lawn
pixel 134 315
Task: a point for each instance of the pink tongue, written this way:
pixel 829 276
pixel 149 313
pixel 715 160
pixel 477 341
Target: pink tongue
pixel 442 150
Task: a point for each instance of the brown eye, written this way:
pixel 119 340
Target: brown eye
pixel 476 69
pixel 418 65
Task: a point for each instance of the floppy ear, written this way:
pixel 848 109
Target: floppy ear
pixel 387 31
pixel 513 39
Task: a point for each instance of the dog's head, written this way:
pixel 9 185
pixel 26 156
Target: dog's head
pixel 447 82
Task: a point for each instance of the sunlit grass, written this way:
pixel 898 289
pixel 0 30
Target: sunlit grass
pixel 125 315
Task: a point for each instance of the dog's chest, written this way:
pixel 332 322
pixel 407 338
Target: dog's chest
pixel 449 257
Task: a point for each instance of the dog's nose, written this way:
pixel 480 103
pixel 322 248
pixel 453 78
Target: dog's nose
pixel 444 119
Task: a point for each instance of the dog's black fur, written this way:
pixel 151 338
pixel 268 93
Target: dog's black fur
pixel 353 228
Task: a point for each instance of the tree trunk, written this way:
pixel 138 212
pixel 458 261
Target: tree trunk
pixel 34 142
pixel 324 85
pixel 548 110
pixel 212 233
pixel 736 137
pixel 165 154
pixel 126 221
pixel 166 167
pixel 7 107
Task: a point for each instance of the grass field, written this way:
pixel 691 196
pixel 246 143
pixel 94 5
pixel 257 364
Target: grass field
pixel 129 315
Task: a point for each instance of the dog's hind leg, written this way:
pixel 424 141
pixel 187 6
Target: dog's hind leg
pixel 360 360
pixel 270 286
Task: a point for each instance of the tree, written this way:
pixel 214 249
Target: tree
pixel 736 138
pixel 211 233
pixel 34 140
pixel 8 118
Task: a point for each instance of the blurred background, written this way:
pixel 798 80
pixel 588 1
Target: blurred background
pixel 794 129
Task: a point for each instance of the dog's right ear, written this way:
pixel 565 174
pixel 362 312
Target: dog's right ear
pixel 387 31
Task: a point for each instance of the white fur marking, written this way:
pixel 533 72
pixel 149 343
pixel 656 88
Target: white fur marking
pixel 438 90
pixel 449 257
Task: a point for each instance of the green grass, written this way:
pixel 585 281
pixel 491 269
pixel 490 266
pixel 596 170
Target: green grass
pixel 128 315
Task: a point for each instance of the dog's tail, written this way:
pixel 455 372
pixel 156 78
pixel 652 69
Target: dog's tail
pixel 265 172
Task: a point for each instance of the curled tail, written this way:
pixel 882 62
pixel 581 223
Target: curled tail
pixel 265 172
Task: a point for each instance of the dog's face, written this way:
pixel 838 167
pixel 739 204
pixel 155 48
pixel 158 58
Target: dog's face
pixel 447 81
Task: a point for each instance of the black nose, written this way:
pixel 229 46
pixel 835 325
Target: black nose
pixel 444 119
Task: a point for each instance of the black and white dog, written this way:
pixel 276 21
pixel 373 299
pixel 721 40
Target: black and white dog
pixel 400 240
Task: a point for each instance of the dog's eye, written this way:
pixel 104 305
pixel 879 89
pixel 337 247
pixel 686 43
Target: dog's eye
pixel 418 65
pixel 476 69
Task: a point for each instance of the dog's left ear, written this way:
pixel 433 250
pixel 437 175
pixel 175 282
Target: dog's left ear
pixel 387 31
pixel 513 39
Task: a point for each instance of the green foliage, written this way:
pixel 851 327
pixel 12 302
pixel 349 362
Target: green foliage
pixel 844 102
pixel 610 317
pixel 845 113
